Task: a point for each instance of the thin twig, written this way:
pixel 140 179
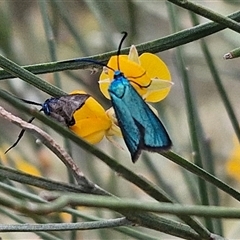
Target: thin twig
pixel 109 223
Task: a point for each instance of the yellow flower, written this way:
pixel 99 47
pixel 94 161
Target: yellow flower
pixel 19 162
pixel 92 122
pixel 27 167
pixel 233 163
pixel 148 74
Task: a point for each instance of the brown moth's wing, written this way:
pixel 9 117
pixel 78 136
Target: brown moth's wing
pixel 63 108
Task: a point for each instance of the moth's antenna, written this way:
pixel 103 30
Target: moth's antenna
pixel 120 46
pixel 19 137
pixel 31 102
pixel 23 130
pixel 89 61
pixel 96 62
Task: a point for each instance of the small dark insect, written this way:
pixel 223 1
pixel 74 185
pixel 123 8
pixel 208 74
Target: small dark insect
pixel 59 108
pixel 63 108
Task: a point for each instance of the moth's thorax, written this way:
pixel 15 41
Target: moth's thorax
pixel 118 85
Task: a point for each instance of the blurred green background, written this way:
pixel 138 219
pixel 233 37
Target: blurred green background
pixel 85 28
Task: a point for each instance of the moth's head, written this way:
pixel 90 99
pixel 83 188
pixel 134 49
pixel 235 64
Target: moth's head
pixel 118 74
pixel 45 107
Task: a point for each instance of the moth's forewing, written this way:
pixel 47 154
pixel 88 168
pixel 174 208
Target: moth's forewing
pixel 63 108
pixel 140 127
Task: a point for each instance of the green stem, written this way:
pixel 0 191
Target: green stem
pixel 205 142
pixel 63 200
pixel 53 56
pixel 60 6
pixel 223 94
pixel 202 174
pixel 208 13
pixel 29 77
pixel 40 182
pixel 96 7
pixel 158 45
pixel 145 219
pixel 21 194
pixel 112 223
pixel 235 53
pixel 150 189
pixel 191 116
pixel 16 218
pixel 50 37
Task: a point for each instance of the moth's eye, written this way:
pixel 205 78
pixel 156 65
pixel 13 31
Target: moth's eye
pixel 46 109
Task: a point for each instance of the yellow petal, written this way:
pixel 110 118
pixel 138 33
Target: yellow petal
pixel 135 74
pixel 91 121
pixel 104 83
pixel 113 64
pixel 133 55
pixel 114 130
pixel 158 90
pixel 158 72
pixel 3 156
pixel 92 129
pixel 90 108
pixel 26 167
pixel 148 74
pixel 233 163
pixel 233 169
pixel 131 70
pixel 154 66
pixel 20 163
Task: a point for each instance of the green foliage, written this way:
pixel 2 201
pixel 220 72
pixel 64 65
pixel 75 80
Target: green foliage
pixel 180 197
